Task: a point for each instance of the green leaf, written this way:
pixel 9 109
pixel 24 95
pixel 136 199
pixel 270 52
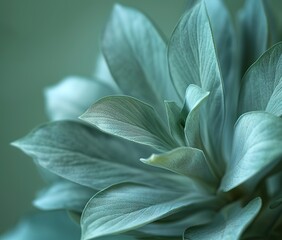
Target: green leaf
pixel 190 162
pixel 176 122
pixel 127 206
pixel 262 84
pixel 229 223
pixel 192 60
pixel 253 32
pixel 64 101
pixel 195 97
pixel 81 154
pixel 131 119
pixel 63 195
pixel 256 148
pixel 54 225
pixel 136 55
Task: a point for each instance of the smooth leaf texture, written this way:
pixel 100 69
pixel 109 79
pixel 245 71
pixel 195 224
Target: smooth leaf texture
pixel 54 225
pixel 131 119
pixel 136 55
pixel 192 60
pixel 176 122
pixel 127 206
pixel 65 101
pixel 195 98
pixel 262 84
pixel 229 223
pixel 64 195
pixel 254 32
pixel 257 145
pixel 190 162
pixel 81 154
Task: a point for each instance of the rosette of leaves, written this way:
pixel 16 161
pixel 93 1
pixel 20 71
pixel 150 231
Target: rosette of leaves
pixel 208 136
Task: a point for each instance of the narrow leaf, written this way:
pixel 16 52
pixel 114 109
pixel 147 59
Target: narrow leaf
pixel 131 119
pixel 229 223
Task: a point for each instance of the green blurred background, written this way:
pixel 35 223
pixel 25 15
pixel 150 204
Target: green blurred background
pixel 41 42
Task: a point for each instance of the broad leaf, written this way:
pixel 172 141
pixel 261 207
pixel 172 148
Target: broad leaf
pixel 136 55
pixel 65 101
pixel 257 146
pixel 81 154
pixel 131 119
pixel 192 60
pixel 253 31
pixel 190 162
pixel 229 223
pixel 127 206
pixel 262 84
pixel 63 195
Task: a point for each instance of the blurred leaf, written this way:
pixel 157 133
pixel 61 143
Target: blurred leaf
pixel 131 119
pixel 192 60
pixel 256 147
pixel 253 32
pixel 64 195
pixel 71 97
pixel 262 84
pixel 127 206
pixel 229 223
pixel 44 226
pixel 136 55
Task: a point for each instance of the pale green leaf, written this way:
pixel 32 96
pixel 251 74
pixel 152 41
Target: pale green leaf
pixel 176 122
pixel 192 60
pixel 81 154
pixel 63 195
pixel 262 84
pixel 131 119
pixel 71 97
pixel 177 227
pixel 253 32
pixel 195 97
pixel 229 223
pixel 190 162
pixel 127 206
pixel 257 146
pixel 136 55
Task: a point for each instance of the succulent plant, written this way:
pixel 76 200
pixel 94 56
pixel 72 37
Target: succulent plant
pixel 208 135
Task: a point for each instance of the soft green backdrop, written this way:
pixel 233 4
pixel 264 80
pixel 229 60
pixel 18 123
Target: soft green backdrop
pixel 41 42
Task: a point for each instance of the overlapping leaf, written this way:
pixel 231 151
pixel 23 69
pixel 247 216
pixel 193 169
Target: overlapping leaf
pixel 262 84
pixel 139 63
pixel 131 119
pixel 192 60
pixel 257 146
pixel 127 206
pixel 71 97
pixel 229 223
